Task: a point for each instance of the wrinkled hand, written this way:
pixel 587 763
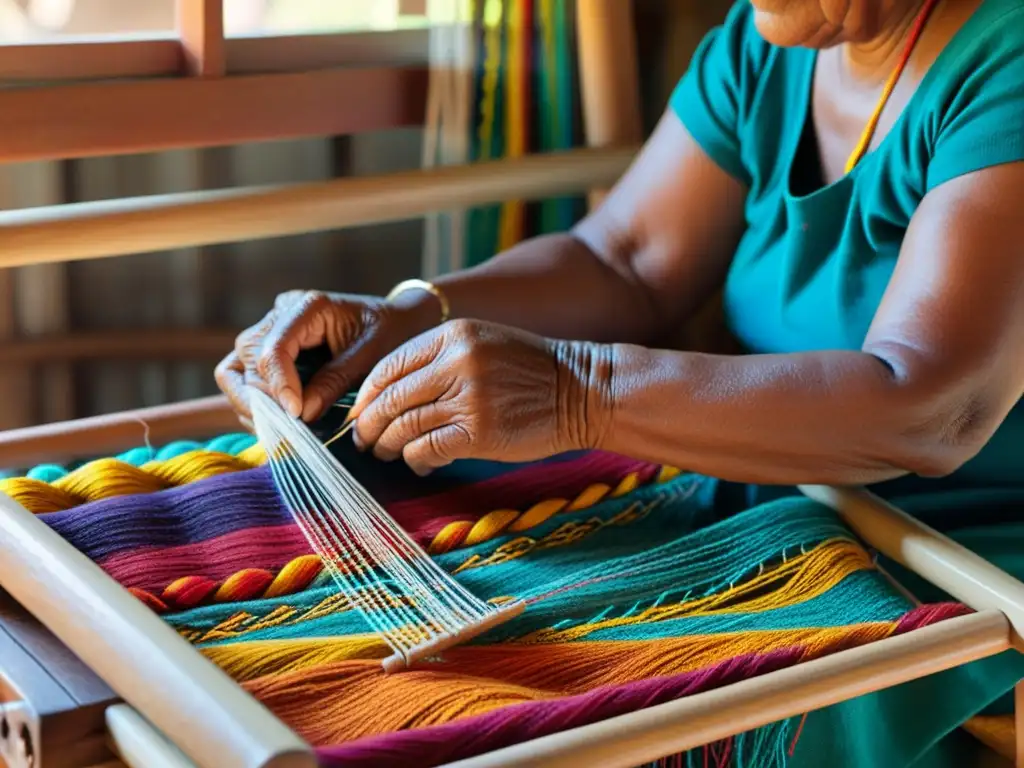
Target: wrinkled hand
pixel 359 330
pixel 470 389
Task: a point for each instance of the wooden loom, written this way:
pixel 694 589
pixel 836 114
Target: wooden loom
pixel 88 675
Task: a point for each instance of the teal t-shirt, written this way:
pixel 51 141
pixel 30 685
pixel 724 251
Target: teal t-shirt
pixel 809 274
pixel 815 259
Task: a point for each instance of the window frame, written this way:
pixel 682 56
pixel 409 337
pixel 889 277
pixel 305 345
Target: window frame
pixel 197 88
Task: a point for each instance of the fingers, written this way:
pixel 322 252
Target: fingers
pixel 415 391
pixel 438 448
pixel 299 325
pixel 409 358
pixel 408 427
pixel 230 377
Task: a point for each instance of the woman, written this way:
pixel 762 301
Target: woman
pixel 870 243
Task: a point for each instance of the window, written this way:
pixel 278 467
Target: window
pixel 252 17
pixel 32 21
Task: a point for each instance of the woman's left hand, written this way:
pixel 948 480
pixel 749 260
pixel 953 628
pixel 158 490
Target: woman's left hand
pixel 470 389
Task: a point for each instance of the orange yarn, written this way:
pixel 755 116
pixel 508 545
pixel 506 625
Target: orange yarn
pixel 246 584
pixel 502 521
pixel 329 701
pixel 253 583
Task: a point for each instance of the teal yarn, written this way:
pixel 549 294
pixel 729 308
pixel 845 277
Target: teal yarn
pixel 232 444
pixel 136 456
pixel 861 597
pixel 685 554
pixel 47 473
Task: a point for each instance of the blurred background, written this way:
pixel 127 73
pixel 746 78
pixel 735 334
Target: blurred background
pixel 217 290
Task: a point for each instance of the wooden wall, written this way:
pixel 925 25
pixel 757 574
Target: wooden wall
pixel 229 286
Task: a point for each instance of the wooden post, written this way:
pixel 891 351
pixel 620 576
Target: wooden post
pixel 201 29
pixel 609 76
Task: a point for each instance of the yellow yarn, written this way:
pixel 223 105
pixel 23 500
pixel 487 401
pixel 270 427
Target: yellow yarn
pixel 249 660
pixel 465 533
pixel 107 478
pixel 802 578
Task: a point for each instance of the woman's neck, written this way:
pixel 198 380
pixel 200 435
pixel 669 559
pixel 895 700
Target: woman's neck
pixel 870 58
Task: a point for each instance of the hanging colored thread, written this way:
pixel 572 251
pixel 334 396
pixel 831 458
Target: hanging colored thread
pixel 869 130
pixel 518 96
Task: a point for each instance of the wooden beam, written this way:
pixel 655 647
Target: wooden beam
pixel 138 743
pixel 950 566
pixel 201 29
pixel 609 76
pixel 115 118
pixel 66 700
pixel 90 59
pixel 650 734
pixel 156 344
pixel 165 222
pixel 112 433
pixel 299 53
pixel 155 56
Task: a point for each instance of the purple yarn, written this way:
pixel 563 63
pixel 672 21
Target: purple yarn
pixel 237 501
pixel 176 516
pixel 515 724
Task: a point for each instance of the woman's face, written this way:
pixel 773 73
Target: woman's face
pixel 824 23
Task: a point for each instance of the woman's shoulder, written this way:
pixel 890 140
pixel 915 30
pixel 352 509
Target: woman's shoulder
pixel 993 36
pixel 972 105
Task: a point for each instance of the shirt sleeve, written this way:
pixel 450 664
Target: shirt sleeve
pixel 982 124
pixel 710 97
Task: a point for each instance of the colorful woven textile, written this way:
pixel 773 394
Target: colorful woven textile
pixel 637 592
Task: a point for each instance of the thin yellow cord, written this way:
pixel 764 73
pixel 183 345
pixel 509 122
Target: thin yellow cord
pixel 869 130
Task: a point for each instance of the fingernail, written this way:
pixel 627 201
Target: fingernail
pixel 314 405
pixel 291 403
pixel 358 441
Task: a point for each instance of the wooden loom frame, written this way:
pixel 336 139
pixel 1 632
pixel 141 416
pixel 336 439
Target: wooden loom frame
pixel 135 651
pixel 144 660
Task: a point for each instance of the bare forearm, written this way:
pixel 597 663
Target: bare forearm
pixel 829 417
pixel 555 286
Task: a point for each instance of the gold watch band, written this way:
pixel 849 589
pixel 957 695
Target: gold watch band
pixel 422 285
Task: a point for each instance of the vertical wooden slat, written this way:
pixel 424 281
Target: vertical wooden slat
pixel 201 29
pixel 609 76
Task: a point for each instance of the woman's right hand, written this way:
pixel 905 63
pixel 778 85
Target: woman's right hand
pixel 359 330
